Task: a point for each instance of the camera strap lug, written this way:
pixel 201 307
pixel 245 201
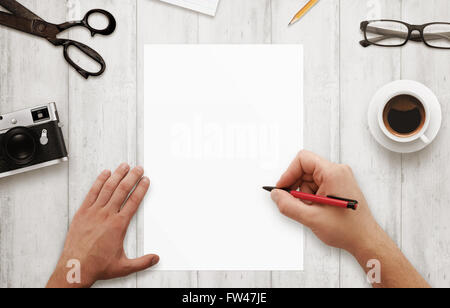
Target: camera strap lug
pixel 44 138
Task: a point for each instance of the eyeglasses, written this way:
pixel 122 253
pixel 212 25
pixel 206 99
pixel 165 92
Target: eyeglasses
pixel 394 33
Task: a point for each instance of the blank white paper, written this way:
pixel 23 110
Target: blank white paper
pixel 221 122
pixel 208 7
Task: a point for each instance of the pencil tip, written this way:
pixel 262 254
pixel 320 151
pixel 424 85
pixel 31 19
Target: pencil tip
pixel 294 20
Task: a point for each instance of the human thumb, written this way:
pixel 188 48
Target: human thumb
pixel 142 263
pixel 291 207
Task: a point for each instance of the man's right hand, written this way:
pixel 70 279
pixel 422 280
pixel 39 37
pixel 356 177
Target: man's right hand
pixel 337 227
pixel 355 231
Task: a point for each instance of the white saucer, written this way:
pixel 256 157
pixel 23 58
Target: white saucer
pixel 398 88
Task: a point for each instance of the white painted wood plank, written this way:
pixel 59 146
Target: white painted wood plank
pixel 103 110
pixel 237 22
pixel 425 193
pixel 318 31
pixel 31 236
pixel 33 206
pixel 159 23
pixel 363 72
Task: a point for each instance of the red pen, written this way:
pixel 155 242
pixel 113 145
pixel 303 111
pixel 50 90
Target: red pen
pixel 329 200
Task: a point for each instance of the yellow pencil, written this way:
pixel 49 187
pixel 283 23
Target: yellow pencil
pixel 303 11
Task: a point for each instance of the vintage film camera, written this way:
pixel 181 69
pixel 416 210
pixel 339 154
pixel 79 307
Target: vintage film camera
pixel 30 139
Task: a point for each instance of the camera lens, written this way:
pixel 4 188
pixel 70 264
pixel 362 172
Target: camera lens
pixel 20 146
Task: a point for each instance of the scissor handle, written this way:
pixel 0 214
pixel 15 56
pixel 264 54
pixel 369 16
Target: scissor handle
pixel 91 53
pixel 110 28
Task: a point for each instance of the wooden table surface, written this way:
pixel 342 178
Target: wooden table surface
pixel 409 194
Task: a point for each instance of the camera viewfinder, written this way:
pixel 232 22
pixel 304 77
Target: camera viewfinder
pixel 41 114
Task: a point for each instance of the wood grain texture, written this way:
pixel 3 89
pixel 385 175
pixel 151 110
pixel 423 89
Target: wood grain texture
pixel 425 193
pixel 33 206
pixel 321 119
pixel 363 72
pixel 237 22
pixel 103 111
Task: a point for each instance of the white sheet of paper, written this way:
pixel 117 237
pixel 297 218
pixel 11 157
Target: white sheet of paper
pixel 208 7
pixel 221 122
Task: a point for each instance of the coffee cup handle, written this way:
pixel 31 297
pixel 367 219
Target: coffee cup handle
pixel 425 139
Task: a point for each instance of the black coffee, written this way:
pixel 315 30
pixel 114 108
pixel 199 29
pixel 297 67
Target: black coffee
pixel 404 115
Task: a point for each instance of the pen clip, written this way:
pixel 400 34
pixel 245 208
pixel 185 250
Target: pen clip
pixel 352 204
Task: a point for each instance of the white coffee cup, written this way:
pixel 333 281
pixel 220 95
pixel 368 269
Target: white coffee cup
pixel 392 138
pixel 419 134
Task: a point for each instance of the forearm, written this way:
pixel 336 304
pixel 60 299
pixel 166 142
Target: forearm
pixel 396 270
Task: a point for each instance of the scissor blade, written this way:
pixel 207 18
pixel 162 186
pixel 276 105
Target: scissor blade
pixel 18 9
pixel 19 23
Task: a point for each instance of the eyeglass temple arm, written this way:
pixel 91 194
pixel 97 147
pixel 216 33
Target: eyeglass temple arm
pixel 415 37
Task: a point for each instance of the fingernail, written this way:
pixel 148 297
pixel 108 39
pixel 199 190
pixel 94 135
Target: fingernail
pixel 145 180
pixel 106 172
pixel 154 261
pixel 124 166
pixel 140 169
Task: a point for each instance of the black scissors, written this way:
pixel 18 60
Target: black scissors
pixel 24 20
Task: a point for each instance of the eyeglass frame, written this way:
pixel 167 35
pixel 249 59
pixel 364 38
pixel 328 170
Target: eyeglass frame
pixel 411 28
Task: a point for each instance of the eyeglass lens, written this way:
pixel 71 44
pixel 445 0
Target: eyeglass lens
pixel 437 35
pixel 387 33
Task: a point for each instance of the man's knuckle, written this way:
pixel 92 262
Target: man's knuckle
pixel 346 168
pixel 121 216
pixel 123 187
pixel 120 220
pixel 101 214
pixel 331 173
pixel 124 220
pixel 134 199
pixel 302 152
pixel 110 186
